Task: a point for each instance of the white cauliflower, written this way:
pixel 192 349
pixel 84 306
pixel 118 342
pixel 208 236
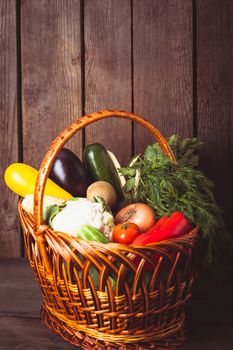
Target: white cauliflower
pixel 81 211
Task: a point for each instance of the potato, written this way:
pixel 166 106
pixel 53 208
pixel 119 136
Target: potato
pixel 103 189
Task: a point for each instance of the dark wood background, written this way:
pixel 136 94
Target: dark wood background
pixel 167 60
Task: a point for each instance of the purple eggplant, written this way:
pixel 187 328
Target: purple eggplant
pixel 70 173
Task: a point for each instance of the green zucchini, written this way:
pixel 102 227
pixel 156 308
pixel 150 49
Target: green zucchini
pixel 101 167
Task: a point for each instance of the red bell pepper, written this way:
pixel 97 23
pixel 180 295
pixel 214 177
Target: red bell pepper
pixel 173 226
pixel 159 223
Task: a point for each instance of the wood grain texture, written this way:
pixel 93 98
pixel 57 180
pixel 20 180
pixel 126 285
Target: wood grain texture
pixel 20 278
pixel 29 334
pixel 107 30
pixel 51 67
pixel 20 324
pixel 215 95
pixel 162 47
pixel 10 237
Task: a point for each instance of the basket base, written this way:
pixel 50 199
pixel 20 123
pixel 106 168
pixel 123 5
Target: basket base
pixel 88 343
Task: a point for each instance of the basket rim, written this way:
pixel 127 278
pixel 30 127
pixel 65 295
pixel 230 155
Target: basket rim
pixel 192 234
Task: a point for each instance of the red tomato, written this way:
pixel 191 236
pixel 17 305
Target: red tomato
pixel 125 233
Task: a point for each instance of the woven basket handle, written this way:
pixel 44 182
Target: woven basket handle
pixel 59 142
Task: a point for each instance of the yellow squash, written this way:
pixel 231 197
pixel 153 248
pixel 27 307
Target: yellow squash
pixel 21 178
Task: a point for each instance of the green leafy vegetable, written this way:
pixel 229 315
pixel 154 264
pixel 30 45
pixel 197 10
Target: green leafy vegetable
pixel 169 187
pixel 185 150
pixel 51 211
pixel 99 199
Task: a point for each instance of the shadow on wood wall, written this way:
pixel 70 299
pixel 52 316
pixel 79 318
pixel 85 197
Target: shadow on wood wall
pixel 169 61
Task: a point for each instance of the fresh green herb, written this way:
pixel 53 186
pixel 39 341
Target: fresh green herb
pixel 169 187
pixel 185 150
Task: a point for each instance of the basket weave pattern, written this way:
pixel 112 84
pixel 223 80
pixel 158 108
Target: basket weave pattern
pixel 109 296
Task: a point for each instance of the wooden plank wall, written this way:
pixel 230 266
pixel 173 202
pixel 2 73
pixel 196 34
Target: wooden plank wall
pixel 10 237
pixel 170 61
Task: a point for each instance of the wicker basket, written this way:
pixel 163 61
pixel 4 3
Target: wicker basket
pixel 128 306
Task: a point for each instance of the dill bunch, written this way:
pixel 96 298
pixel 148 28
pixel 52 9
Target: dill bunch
pixel 167 187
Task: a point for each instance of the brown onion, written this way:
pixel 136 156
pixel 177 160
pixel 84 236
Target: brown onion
pixel 139 213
